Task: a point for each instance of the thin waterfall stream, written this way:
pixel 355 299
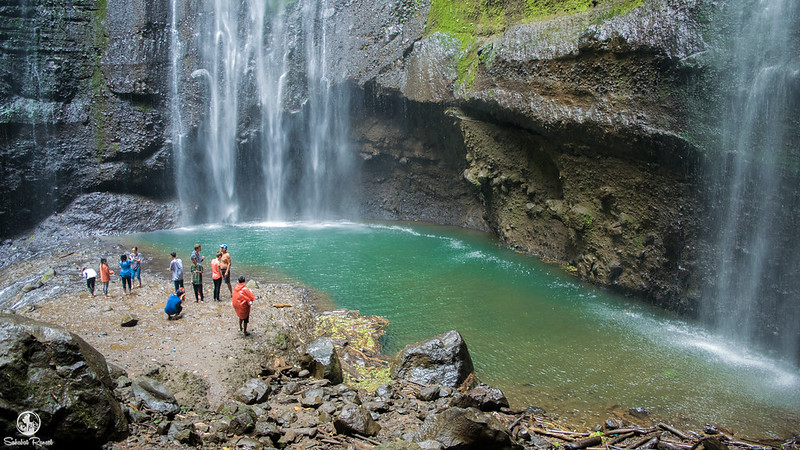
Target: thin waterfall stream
pixel 754 296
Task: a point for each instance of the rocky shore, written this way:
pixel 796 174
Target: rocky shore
pixel 304 378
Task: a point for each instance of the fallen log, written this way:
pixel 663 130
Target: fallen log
pixel 281 305
pixel 650 444
pixel 619 438
pixel 673 430
pixel 664 445
pixel 583 443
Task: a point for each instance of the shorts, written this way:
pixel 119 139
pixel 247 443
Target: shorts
pixel 226 276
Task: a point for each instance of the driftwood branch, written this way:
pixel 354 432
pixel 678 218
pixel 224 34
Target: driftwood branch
pixel 551 434
pixel 583 443
pixel 366 439
pixel 619 438
pixel 642 441
pixel 673 430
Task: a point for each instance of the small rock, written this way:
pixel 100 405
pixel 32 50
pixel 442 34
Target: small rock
pixel 155 396
pixel 355 419
pixel 129 321
pixel 639 413
pixel 429 393
pixel 254 391
pixel 248 442
pixel 313 398
pixel 243 422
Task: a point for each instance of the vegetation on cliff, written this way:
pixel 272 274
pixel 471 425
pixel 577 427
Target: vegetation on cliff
pixel 472 22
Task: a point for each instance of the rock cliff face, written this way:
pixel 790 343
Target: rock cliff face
pixel 81 104
pixel 564 134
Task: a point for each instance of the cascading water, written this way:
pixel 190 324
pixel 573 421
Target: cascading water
pixel 756 293
pixel 270 138
pixel 176 54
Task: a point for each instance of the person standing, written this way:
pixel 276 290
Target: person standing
pixel 175 304
pixel 136 265
pixel 90 276
pixel 196 254
pixel 125 273
pixel 105 275
pixel 242 298
pixel 176 267
pixel 216 276
pixel 197 280
pixel 225 266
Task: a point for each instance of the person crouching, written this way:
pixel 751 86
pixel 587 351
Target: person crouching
pixel 174 304
pixel 242 299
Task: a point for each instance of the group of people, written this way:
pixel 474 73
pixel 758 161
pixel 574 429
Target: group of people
pixel 241 296
pixel 130 269
pixel 220 271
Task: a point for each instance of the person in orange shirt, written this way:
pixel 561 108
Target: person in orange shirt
pixel 216 275
pixel 105 275
pixel 242 299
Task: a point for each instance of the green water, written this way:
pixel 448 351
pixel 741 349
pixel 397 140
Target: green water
pixel 538 334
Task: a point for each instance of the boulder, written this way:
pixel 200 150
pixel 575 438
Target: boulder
pixel 483 397
pixel 255 390
pixel 443 359
pixel 466 428
pixel 323 361
pixel 155 396
pixel 355 419
pixel 47 370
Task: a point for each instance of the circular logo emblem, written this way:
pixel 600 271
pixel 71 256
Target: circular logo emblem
pixel 28 423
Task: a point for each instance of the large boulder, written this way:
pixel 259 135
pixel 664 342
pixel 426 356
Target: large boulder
pixel 466 429
pixel 323 361
pixel 47 370
pixel 443 359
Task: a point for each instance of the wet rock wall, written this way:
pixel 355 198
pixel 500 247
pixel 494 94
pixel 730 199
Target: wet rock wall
pixel 81 104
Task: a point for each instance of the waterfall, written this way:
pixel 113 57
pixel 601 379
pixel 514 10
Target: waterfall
pixel 269 138
pixel 755 296
pixel 176 53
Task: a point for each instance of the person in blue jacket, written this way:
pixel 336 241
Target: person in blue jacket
pixel 125 272
pixel 174 304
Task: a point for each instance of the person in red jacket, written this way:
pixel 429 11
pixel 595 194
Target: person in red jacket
pixel 242 299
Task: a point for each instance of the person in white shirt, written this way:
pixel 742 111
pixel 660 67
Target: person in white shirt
pixel 90 276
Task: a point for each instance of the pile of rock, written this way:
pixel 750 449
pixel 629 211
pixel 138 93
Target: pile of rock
pixel 306 404
pixel 434 401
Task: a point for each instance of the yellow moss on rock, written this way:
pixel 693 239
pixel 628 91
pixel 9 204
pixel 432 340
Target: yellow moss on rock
pixel 363 364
